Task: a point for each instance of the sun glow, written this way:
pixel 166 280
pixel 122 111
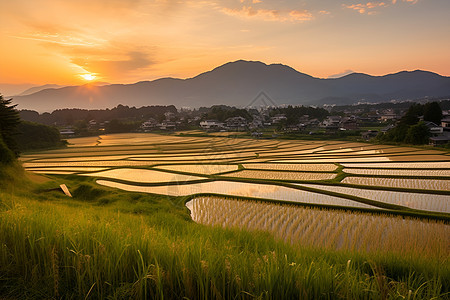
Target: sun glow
pixel 88 77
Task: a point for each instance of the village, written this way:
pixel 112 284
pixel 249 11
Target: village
pixel 362 122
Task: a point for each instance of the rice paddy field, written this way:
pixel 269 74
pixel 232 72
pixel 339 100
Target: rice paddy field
pixel 313 219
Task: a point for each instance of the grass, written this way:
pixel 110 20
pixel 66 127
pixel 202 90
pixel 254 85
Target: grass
pixel 106 243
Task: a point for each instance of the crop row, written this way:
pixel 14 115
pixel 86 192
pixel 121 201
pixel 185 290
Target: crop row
pixel 327 228
pixel 403 165
pixel 207 169
pixel 293 167
pixel 279 175
pixel 425 184
pixel 428 202
pixel 398 172
pixel 142 175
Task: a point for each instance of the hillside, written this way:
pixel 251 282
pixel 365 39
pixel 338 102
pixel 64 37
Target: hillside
pixel 238 83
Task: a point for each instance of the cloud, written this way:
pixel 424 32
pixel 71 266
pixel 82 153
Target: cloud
pixel 132 61
pixel 341 74
pixel 302 15
pixel 409 1
pixel 370 7
pixel 270 14
pixel 363 8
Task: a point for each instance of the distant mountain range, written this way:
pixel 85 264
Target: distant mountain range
pixel 36 89
pixel 240 83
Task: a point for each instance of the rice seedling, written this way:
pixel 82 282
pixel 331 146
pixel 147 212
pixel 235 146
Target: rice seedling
pixel 142 175
pixel 398 172
pixel 107 243
pixel 73 169
pixel 54 172
pixel 109 163
pixel 280 175
pixel 293 167
pixel 423 184
pixel 418 158
pixel 340 145
pixel 138 249
pixel 328 228
pixel 207 169
pixel 375 150
pixel 199 156
pixel 83 158
pixel 405 165
pixel 333 160
pixel 241 189
pixel 427 202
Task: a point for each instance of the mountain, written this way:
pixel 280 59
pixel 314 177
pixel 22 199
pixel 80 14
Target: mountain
pixel 239 83
pixel 36 89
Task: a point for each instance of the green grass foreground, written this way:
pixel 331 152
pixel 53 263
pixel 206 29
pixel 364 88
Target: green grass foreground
pixel 107 243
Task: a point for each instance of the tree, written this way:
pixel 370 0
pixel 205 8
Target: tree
pixel 412 115
pixel 418 134
pixel 9 120
pixel 6 155
pixel 432 112
pixel 37 136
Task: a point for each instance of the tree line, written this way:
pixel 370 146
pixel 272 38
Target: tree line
pixel 17 135
pixel 410 129
pixel 71 116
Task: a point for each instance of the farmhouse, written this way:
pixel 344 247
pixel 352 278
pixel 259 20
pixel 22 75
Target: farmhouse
pixel 349 124
pixel 149 125
pixel 236 123
pixel 439 140
pixel 278 118
pixel 445 122
pixel 435 129
pixel 211 125
pixel 369 134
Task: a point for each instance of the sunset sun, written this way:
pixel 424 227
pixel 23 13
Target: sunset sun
pixel 88 77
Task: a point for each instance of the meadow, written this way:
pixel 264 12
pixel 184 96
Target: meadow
pixel 217 217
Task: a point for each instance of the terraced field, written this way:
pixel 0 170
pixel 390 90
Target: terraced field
pixel 375 184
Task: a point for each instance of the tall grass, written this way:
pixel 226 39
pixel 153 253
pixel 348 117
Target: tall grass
pixel 106 243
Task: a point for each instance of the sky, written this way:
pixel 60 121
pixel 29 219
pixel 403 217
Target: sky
pixel 71 42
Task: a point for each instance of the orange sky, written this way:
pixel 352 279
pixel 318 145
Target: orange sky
pixel 124 41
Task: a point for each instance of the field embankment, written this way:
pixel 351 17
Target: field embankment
pixel 110 243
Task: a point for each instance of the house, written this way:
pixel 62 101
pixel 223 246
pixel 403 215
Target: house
pixel 439 140
pixel 211 125
pixel 167 126
pixel 256 122
pixel 435 129
pixel 278 118
pixel 445 123
pixel 149 125
pixel 92 125
pixel 169 115
pixel 332 121
pixel 349 124
pixel 236 123
pixel 313 123
pixel 369 134
pixel 67 132
pixel 388 115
